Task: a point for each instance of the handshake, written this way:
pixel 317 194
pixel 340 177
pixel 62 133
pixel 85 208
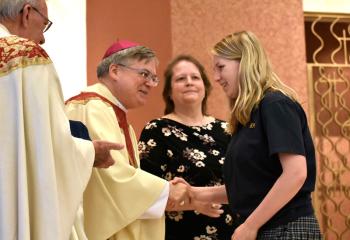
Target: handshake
pixel 183 197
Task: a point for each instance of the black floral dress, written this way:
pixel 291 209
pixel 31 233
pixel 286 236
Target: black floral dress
pixel 170 149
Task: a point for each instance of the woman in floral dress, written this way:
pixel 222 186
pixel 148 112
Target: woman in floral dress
pixel 187 143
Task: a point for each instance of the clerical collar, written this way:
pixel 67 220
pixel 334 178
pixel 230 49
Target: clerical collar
pixel 120 105
pixel 102 89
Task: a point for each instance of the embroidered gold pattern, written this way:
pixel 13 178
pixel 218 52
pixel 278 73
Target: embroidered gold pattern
pixel 16 52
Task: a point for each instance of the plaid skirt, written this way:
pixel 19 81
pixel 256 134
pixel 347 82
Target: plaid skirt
pixel 304 228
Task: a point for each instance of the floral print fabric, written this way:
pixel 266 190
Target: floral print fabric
pixel 170 149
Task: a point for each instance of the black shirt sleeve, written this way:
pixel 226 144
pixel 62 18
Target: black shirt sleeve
pixel 283 127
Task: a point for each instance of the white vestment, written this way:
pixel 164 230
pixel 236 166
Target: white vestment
pixel 43 169
pixel 116 199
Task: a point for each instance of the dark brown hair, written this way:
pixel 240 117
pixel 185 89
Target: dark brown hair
pixel 168 74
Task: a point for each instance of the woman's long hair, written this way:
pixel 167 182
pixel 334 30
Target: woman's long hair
pixel 255 75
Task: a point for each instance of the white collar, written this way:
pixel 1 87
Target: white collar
pixel 120 105
pixel 4 32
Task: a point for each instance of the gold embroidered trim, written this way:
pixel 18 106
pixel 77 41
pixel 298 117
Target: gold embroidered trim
pixel 16 52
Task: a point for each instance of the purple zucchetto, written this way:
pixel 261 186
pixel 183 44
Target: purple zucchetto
pixel 118 46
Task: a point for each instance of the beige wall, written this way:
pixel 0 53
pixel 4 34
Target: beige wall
pixel 327 6
pixel 171 27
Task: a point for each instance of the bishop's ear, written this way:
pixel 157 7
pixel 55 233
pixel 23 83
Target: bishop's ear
pixel 113 71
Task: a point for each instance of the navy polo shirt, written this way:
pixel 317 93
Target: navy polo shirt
pixel 252 165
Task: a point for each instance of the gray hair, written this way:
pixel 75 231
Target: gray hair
pixel 122 57
pixel 9 9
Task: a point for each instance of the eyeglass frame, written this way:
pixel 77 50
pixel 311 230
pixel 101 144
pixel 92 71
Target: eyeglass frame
pixel 48 23
pixel 152 78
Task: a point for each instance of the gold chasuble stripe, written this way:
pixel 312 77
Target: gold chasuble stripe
pixel 16 52
pixel 120 115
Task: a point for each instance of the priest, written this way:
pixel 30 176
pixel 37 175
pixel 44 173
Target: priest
pixel 43 169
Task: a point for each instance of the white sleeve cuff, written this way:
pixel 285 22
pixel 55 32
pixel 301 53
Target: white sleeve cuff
pixel 158 208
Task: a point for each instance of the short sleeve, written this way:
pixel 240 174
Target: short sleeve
pixel 283 127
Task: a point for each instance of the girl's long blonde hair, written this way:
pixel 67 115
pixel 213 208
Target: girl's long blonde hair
pixel 255 75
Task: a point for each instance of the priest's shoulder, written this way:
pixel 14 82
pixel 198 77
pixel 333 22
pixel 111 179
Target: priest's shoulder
pixel 17 52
